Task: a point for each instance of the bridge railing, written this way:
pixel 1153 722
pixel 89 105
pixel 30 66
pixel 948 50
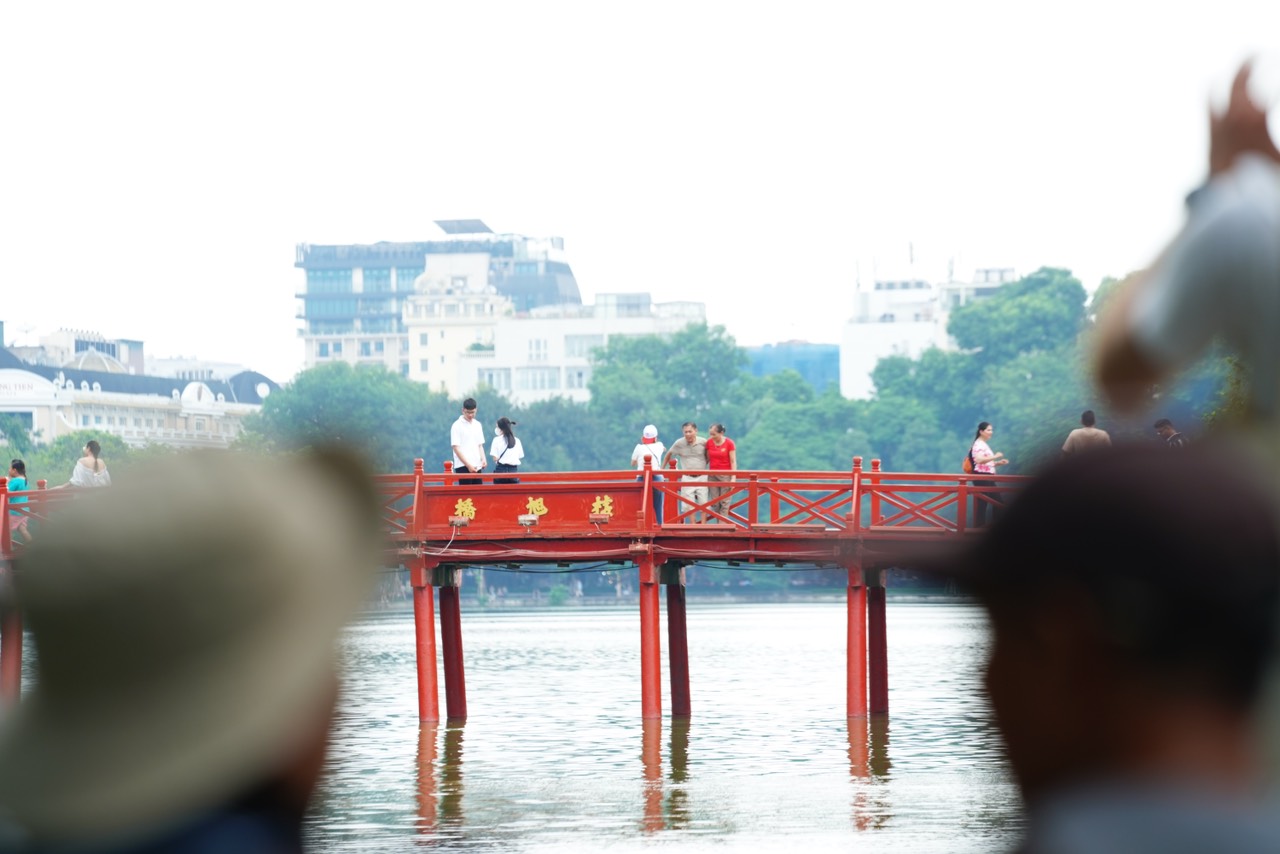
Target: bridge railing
pixel 32 508
pixel 421 506
pixel 449 505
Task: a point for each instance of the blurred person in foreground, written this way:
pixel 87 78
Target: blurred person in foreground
pixel 186 677
pixel 1126 665
pixel 1219 277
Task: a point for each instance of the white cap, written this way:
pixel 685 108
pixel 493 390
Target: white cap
pixel 650 432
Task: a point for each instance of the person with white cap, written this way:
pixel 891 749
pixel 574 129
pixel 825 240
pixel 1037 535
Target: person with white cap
pixel 652 450
pixel 186 678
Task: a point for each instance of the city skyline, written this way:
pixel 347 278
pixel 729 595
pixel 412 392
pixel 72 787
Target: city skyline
pixel 746 158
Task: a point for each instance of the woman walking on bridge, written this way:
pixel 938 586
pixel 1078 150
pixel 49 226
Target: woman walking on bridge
pixel 984 462
pixel 506 450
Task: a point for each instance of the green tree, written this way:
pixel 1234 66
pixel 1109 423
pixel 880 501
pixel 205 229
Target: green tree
pixel 667 380
pixel 15 434
pixel 1041 311
pixel 382 415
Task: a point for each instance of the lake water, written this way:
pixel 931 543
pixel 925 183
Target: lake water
pixel 555 756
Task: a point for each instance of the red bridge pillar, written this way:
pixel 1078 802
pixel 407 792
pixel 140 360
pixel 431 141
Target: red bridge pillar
pixel 424 628
pixel 677 640
pixel 10 652
pixel 650 642
pixel 877 644
pixel 856 645
pixel 449 580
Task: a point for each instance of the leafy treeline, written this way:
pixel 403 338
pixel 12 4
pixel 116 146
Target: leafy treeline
pixel 1023 367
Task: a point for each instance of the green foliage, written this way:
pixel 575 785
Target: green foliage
pixel 380 414
pixel 15 434
pixel 688 376
pixel 1042 311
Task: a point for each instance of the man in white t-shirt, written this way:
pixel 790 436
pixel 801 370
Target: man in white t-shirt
pixel 467 438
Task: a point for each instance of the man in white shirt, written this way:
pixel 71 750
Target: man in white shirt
pixel 467 438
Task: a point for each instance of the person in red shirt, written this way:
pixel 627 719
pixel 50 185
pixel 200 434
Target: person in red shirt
pixel 722 460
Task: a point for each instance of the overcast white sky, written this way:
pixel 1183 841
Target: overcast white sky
pixel 161 160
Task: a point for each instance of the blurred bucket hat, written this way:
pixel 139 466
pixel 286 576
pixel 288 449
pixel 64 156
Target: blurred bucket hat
pixel 185 626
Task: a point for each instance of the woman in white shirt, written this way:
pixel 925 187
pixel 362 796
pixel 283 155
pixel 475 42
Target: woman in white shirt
pixel 89 470
pixel 506 450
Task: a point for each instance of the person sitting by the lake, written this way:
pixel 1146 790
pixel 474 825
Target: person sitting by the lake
pixel 722 460
pixel 650 449
pixel 186 676
pixel 506 450
pixel 690 453
pixel 17 484
pixel 1126 666
pixel 984 461
pixel 90 470
pixel 1087 436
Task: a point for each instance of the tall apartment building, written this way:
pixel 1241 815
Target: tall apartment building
pixel 905 317
pixel 357 299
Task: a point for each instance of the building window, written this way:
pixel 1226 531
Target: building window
pixel 576 378
pixel 137 422
pixel 328 281
pixel 405 277
pixel 423 364
pixel 337 348
pixel 84 420
pixel 97 419
pixel 538 379
pixel 404 369
pixel 200 425
pixel 537 349
pixel 377 280
pixel 423 338
pixel 322 350
pixel 365 349
pixel 495 378
pixel 580 346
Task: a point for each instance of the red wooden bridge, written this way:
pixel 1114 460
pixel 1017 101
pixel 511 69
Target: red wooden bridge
pixel 860 520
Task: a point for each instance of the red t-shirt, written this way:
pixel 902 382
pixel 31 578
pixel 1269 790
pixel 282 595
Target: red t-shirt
pixel 718 455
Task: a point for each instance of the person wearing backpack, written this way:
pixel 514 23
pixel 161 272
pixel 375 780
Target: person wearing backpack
pixel 982 460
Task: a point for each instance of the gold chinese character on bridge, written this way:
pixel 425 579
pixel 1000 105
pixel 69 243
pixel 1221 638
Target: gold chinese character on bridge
pixel 536 507
pixel 465 507
pixel 603 504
